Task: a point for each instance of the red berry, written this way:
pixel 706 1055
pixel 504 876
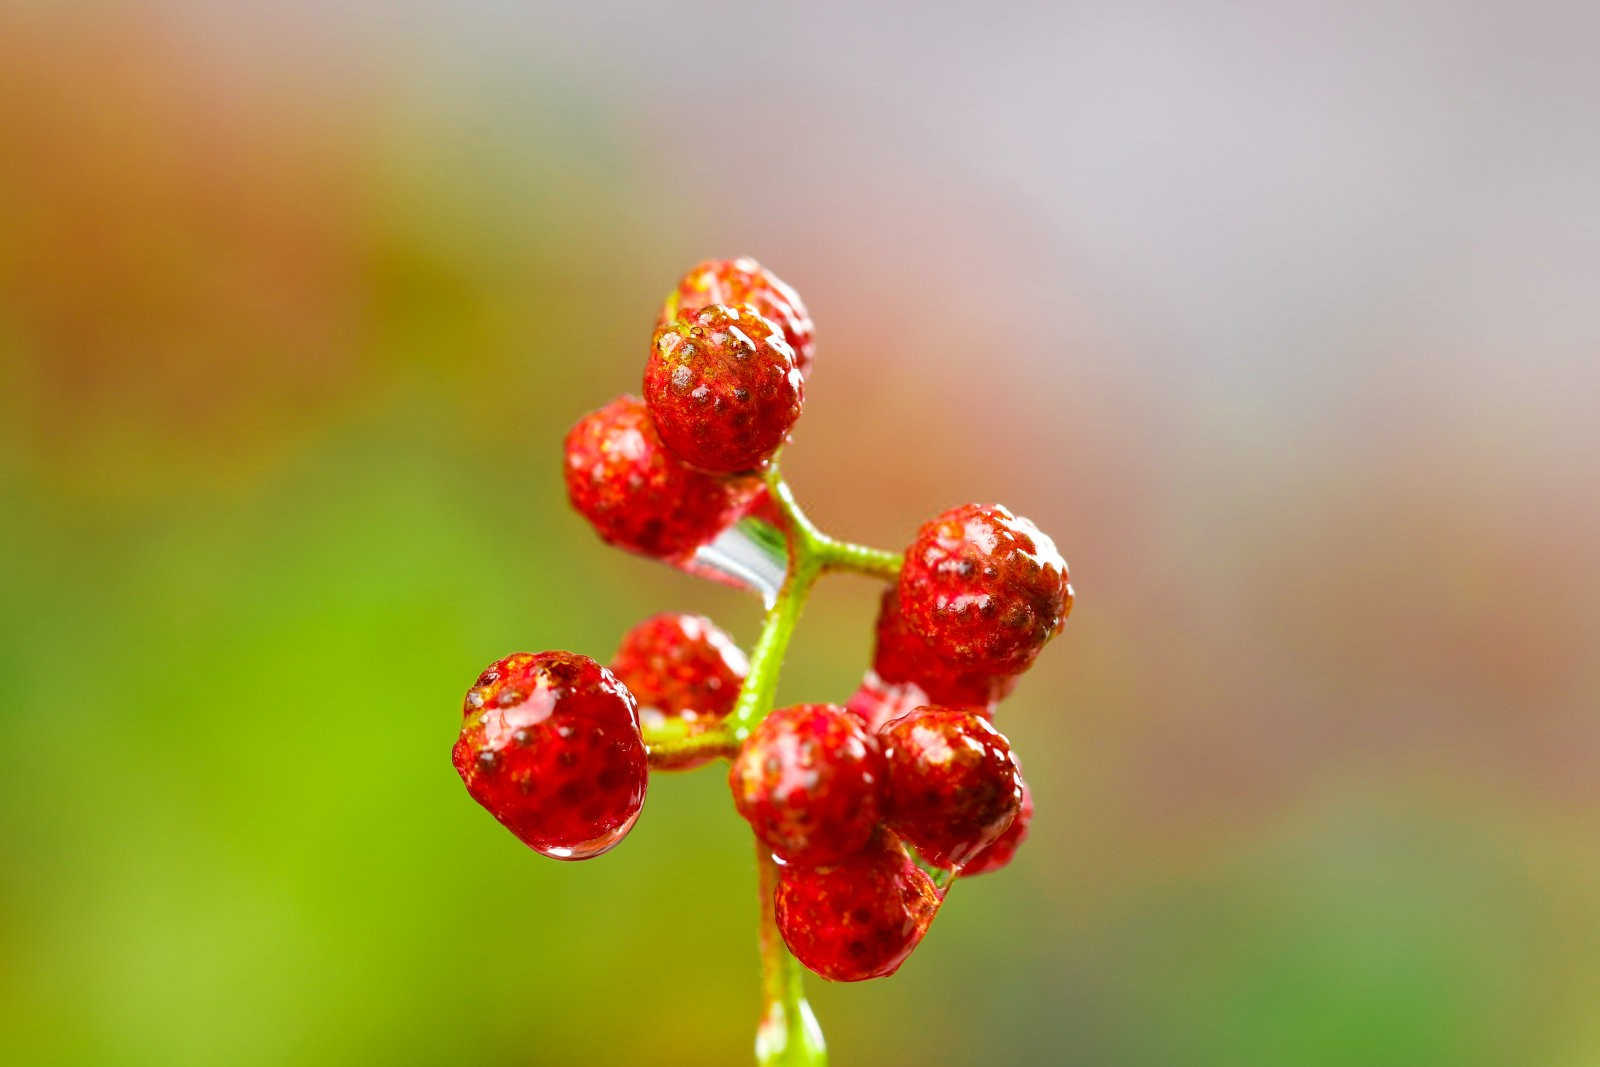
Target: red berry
pixel 876 702
pixel 859 919
pixel 723 388
pixel 744 281
pixel 953 784
pixel 999 853
pixel 985 588
pixel 551 748
pixel 808 782
pixel 640 496
pixel 902 656
pixel 684 672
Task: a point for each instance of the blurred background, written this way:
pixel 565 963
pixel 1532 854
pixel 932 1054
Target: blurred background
pixel 1283 318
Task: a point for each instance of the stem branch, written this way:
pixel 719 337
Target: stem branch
pixel 788 1035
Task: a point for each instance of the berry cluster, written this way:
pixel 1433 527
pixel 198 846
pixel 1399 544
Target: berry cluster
pixel 864 813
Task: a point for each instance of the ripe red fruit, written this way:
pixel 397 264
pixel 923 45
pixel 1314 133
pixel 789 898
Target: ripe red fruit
pixel 876 702
pixel 744 281
pixel 685 674
pixel 902 656
pixel 999 853
pixel 953 785
pixel 640 496
pixel 723 388
pixel 859 919
pixel 985 588
pixel 808 782
pixel 551 747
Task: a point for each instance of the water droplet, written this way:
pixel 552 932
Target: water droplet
pixel 751 554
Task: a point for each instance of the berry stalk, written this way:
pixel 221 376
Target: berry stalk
pixel 788 1035
pixel 811 553
pixel 676 749
pixel 831 553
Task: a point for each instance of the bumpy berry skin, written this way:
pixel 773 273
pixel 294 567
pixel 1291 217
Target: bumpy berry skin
pixel 723 388
pixel 744 281
pixel 685 673
pixel 550 746
pixel 998 854
pixel 984 588
pixel 859 919
pixel 954 786
pixel 901 656
pixel 640 496
pixel 877 702
pixel 808 781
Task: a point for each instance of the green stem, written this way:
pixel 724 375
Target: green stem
pixel 788 1035
pixel 829 552
pixel 667 750
pixel 766 659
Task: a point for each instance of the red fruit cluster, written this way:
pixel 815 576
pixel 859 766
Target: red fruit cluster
pixel 837 804
pixel 744 281
pixel 685 673
pixel 723 386
pixel 551 747
pixel 870 809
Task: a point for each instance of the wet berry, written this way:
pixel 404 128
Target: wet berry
pixel 860 918
pixel 640 496
pixel 808 781
pixel 954 787
pixel 744 281
pixel 999 853
pixel 901 656
pixel 723 388
pixel 550 746
pixel 876 702
pixel 684 672
pixel 984 588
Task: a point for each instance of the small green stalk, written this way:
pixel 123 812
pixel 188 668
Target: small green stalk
pixel 788 1035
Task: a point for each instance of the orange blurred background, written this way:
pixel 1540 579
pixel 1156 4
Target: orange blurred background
pixel 1281 319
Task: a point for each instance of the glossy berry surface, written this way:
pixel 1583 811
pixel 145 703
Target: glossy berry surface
pixel 744 281
pixel 985 589
pixel 550 746
pixel 808 781
pixel 954 787
pixel 637 494
pixel 685 674
pixel 877 702
pixel 901 656
pixel 998 854
pixel 859 919
pixel 723 388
